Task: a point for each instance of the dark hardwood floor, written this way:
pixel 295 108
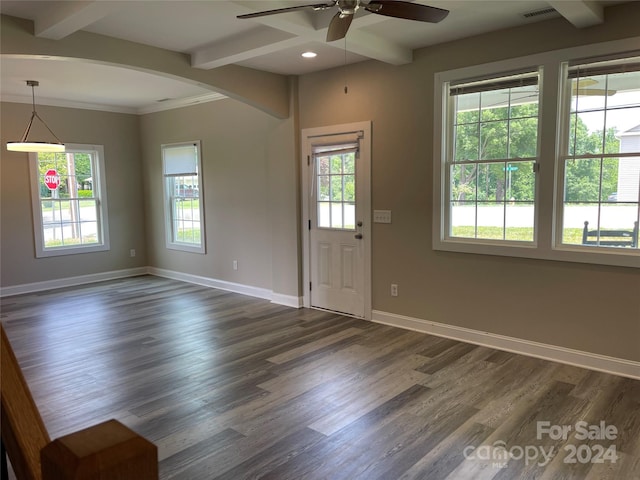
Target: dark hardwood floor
pixel 233 387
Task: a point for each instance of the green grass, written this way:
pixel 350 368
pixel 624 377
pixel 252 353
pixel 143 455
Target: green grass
pixel 190 204
pixel 518 234
pixel 187 235
pixel 57 242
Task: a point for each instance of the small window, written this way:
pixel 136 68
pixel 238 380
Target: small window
pixel 335 180
pixel 600 160
pixel 184 216
pixel 491 158
pixel 69 201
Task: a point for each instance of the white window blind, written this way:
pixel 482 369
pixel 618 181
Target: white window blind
pixel 180 159
pixel 500 83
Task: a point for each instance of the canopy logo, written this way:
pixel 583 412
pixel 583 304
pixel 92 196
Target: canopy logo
pixel 498 454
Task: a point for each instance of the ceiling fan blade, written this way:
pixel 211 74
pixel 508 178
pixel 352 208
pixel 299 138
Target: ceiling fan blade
pixel 597 92
pixel 317 6
pixel 408 10
pixel 338 26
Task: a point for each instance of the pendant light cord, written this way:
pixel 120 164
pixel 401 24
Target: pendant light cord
pixel 346 88
pixel 34 114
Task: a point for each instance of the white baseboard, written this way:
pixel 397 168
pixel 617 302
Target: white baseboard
pixel 280 299
pixel 71 281
pixel 277 298
pixel 212 282
pixel 591 361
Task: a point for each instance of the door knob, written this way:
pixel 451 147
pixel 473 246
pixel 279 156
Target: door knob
pixel 358 236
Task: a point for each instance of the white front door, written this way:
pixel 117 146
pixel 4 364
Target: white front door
pixel 338 191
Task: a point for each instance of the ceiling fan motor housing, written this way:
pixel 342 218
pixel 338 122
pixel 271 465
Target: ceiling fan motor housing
pixel 341 21
pixel 348 7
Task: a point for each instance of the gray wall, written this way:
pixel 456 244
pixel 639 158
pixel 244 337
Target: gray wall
pixel 585 307
pixel 250 193
pixel 120 136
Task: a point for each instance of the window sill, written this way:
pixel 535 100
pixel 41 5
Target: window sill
pixel 618 257
pixel 186 248
pixel 59 251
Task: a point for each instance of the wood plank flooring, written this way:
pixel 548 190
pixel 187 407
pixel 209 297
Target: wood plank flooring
pixel 233 387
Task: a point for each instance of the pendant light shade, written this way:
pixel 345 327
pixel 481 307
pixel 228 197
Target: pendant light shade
pixel 26 145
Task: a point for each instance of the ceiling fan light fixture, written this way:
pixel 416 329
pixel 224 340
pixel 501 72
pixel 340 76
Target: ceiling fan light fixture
pixel 26 145
pixel 309 54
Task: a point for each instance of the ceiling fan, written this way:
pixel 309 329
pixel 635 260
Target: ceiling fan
pixel 347 8
pixel 582 86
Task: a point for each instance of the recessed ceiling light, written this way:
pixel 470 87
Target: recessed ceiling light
pixel 309 54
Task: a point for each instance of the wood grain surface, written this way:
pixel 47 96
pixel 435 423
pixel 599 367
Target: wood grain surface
pixel 234 387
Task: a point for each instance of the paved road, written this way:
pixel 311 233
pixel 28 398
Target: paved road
pixel 611 216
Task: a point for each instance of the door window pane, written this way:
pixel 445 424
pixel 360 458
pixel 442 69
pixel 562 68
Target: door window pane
pixel 336 189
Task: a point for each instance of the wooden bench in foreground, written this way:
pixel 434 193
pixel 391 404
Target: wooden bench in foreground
pixel 109 450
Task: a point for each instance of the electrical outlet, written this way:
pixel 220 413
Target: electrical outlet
pixel 132 252
pixel 394 290
pixel 235 264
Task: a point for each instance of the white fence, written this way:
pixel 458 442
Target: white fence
pixel 611 216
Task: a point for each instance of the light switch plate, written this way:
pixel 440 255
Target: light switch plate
pixel 382 216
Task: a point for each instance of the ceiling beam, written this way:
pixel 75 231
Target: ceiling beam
pixel 377 48
pixel 64 18
pixel 260 41
pixel 581 13
pixel 267 91
pixel 301 27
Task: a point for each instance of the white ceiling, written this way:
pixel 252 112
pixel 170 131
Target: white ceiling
pixel 212 35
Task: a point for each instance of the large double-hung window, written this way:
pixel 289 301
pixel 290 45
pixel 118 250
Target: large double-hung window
pixel 69 201
pixel 539 156
pixel 600 155
pixel 491 158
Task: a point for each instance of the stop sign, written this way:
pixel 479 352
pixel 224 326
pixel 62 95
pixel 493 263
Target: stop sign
pixel 52 179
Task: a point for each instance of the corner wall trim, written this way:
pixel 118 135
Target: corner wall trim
pixel 71 281
pixel 578 358
pixel 287 300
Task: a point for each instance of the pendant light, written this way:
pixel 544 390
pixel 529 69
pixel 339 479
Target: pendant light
pixel 26 145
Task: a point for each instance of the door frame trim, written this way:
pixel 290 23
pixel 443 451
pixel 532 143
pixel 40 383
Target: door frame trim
pixel 365 208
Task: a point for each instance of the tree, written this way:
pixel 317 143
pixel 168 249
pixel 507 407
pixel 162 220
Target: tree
pixel 583 176
pixel 60 162
pixel 490 134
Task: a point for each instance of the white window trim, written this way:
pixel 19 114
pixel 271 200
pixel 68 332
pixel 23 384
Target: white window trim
pixel 549 184
pixel 99 181
pixel 448 153
pixel 168 215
